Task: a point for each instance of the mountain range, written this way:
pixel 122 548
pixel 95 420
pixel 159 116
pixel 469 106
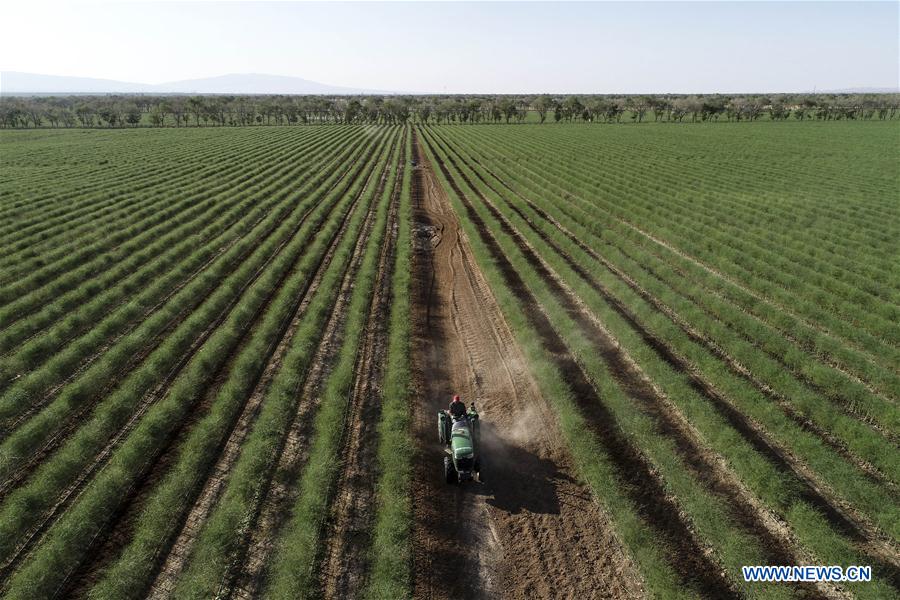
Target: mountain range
pixel 15 82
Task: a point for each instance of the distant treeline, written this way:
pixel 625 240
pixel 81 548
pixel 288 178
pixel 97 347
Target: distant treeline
pixel 224 110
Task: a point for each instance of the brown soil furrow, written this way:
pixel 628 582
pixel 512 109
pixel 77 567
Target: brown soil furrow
pixel 244 578
pixel 735 366
pixel 344 564
pixel 74 490
pixel 531 529
pixel 746 509
pixel 214 482
pixel 687 555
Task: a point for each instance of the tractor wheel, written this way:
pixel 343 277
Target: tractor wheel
pixel 450 475
pixel 478 467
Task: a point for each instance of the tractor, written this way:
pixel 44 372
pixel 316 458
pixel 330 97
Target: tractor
pixel 461 438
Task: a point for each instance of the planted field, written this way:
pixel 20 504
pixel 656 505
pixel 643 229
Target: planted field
pixel 222 351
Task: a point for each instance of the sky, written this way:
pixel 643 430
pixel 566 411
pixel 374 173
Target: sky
pixel 457 47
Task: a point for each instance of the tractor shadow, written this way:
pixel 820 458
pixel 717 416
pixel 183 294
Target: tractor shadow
pixel 516 479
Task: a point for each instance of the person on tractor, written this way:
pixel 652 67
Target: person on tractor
pixel 457 408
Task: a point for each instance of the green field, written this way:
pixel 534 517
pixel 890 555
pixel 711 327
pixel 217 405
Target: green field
pixel 194 321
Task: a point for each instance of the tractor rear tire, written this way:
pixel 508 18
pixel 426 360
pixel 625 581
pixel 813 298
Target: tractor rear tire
pixel 450 474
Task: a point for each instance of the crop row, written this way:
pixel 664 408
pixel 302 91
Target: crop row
pixel 119 158
pixel 390 546
pixel 221 545
pixel 36 190
pixel 167 307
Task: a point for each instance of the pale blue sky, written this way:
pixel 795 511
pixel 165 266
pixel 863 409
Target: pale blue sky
pixel 469 47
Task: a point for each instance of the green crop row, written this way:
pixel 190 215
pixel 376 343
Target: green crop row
pixel 129 574
pixel 391 553
pixel 90 228
pixel 293 572
pixel 43 207
pixel 146 225
pixel 121 206
pixel 721 161
pixel 82 164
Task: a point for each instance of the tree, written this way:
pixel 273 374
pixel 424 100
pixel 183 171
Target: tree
pixel 68 117
pixel 52 115
pixel 542 105
pixel 572 108
pixel 507 108
pixel 196 108
pixel 132 115
pixel 638 106
pixel 424 112
pixel 85 115
pixel 179 111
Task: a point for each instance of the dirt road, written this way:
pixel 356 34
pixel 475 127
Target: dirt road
pixel 531 530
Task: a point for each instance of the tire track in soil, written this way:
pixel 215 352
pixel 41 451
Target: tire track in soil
pixel 213 483
pixel 245 576
pixel 344 560
pixel 704 464
pixel 532 529
pixel 841 515
pixel 74 490
pixel 72 423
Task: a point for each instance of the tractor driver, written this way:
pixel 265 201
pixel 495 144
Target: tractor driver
pixel 457 408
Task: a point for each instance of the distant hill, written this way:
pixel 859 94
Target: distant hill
pixel 14 82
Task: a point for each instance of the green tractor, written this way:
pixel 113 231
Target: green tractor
pixel 461 437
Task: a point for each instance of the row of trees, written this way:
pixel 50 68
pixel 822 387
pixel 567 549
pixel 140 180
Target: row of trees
pixel 224 110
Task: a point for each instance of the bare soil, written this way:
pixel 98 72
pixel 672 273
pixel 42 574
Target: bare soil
pixel 531 530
